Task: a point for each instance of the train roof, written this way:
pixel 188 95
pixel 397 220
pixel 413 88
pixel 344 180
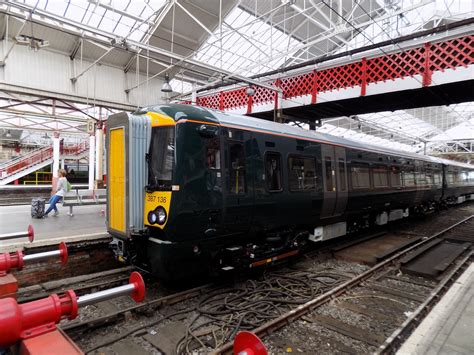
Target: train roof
pixel 180 111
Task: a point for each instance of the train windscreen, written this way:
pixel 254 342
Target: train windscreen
pixel 161 157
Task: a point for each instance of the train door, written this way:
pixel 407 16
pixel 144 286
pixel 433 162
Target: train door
pixel 334 180
pixel 239 194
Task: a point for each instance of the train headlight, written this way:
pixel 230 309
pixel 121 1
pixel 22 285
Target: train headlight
pixel 152 217
pixel 161 215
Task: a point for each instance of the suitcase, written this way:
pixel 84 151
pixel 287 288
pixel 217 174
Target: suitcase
pixel 37 207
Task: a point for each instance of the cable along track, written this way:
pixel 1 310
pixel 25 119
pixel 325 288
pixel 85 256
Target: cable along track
pixel 379 283
pixel 206 318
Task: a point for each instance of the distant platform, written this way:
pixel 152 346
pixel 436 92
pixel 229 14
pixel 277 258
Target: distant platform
pixel 22 194
pixel 38 187
pixel 449 327
pixel 88 222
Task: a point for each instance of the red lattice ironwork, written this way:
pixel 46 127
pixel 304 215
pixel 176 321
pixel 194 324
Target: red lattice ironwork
pixel 263 95
pixel 452 54
pixel 211 101
pixel 236 98
pixel 394 66
pixel 297 85
pixel 345 76
pixel 422 60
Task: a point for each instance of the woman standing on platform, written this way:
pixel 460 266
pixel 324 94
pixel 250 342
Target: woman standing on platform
pixel 62 187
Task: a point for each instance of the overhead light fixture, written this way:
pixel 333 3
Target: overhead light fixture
pixel 250 91
pixel 23 40
pixel 166 85
pixel 32 42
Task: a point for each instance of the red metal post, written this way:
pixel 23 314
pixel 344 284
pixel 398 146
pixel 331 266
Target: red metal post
pixel 277 84
pixel 221 101
pixel 249 104
pixel 314 89
pixel 363 84
pixel 426 66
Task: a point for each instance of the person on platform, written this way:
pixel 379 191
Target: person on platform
pixel 61 188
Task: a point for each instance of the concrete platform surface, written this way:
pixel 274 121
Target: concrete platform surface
pixel 449 327
pixel 87 221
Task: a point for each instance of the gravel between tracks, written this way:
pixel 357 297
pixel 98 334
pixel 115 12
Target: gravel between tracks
pixel 301 336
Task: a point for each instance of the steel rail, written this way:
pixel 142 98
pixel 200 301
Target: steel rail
pixel 301 310
pixel 399 334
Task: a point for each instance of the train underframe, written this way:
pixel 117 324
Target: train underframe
pixel 194 258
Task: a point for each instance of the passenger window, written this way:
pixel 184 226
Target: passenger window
pixel 450 177
pixel 437 179
pixel 380 174
pixel 213 157
pixel 237 183
pixel 395 176
pixel 420 178
pixel 360 176
pixel 342 174
pixel 302 174
pixel 429 177
pixel 329 183
pixel 273 171
pixel 409 178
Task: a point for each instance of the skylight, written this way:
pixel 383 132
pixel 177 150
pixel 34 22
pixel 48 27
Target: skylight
pixel 249 50
pixel 124 18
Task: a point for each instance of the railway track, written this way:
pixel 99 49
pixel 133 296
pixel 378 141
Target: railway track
pixel 368 286
pixel 195 320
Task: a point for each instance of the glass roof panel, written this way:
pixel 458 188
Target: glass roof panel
pixel 420 15
pixel 255 41
pixel 124 18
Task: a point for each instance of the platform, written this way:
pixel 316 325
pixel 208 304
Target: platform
pixel 88 222
pixel 449 327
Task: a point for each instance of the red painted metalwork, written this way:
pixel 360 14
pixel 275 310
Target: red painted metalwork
pixel 38 156
pixel 54 342
pixel 9 261
pixel 422 61
pixel 14 260
pixel 21 321
pixel 248 343
pixel 426 69
pixel 27 320
pixel 314 87
pixel 8 286
pixel 31 233
pixel 363 84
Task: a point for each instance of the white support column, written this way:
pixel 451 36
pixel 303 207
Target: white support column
pixel 99 157
pixel 91 161
pixel 194 95
pixel 62 163
pixel 56 154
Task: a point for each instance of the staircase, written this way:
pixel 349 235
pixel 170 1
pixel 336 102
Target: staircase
pixel 37 159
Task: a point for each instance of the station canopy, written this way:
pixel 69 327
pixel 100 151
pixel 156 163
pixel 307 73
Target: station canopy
pixel 249 37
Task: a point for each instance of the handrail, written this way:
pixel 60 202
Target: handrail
pixel 21 157
pixel 38 156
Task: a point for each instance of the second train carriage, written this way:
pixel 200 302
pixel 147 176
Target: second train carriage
pixel 192 190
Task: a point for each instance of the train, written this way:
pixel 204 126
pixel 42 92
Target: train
pixel 193 191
